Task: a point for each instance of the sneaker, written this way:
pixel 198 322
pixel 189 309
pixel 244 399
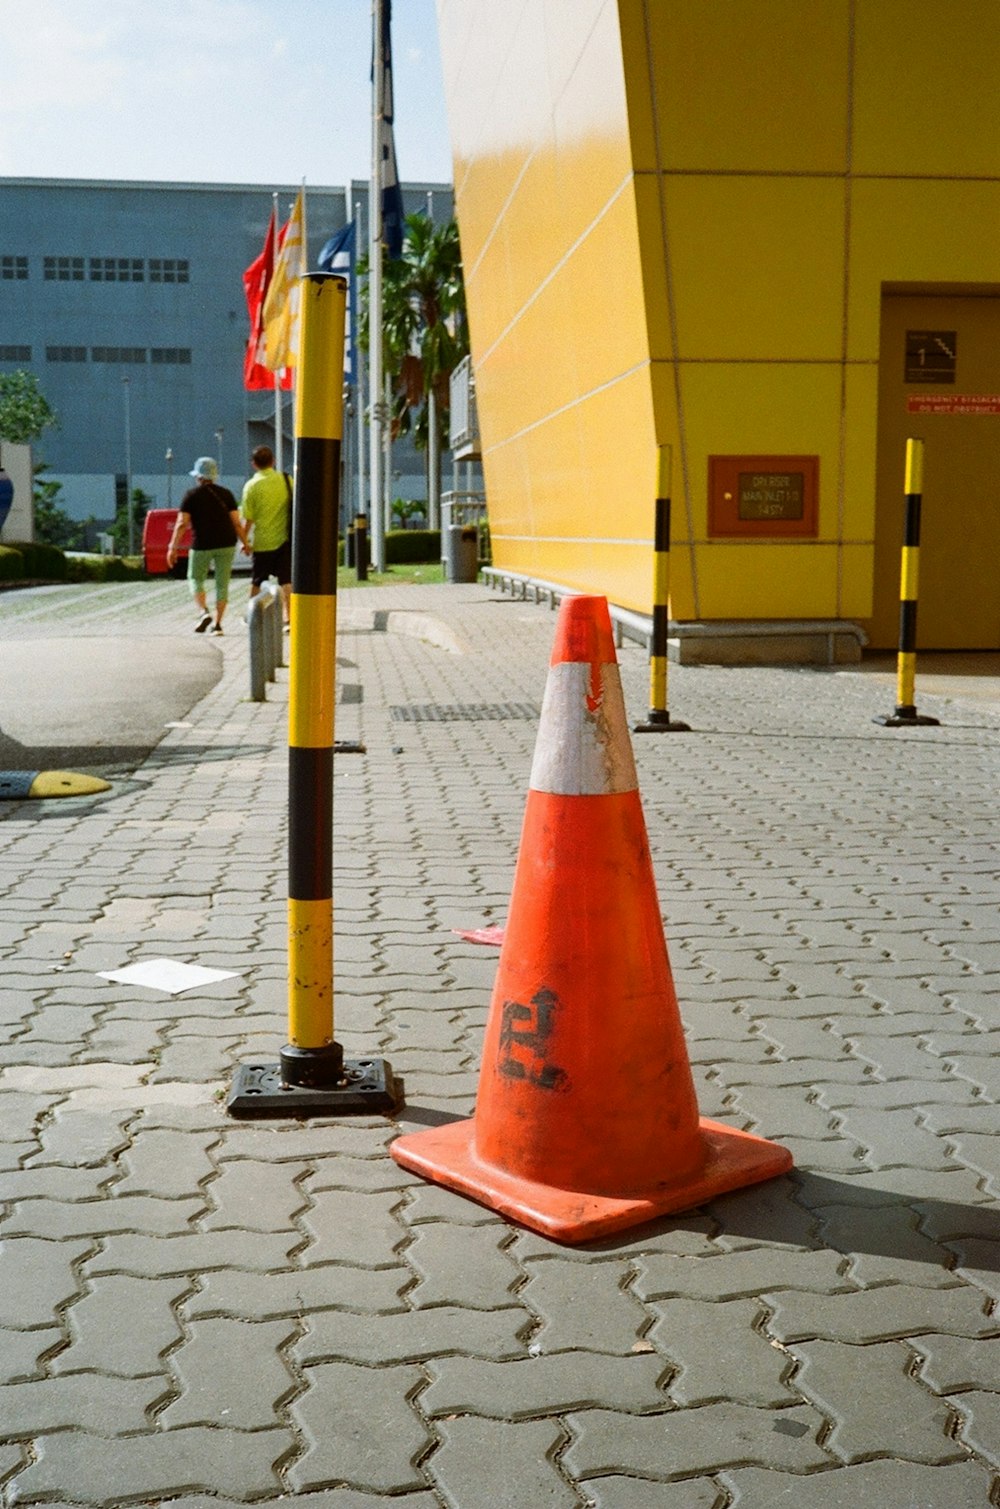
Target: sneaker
pixel 216 628
pixel 203 623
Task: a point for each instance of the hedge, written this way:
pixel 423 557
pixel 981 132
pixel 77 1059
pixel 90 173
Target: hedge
pixel 103 568
pixel 42 563
pixel 412 546
pixel 11 564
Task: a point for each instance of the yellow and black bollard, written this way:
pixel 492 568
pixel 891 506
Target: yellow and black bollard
pixel 906 715
pixel 313 1077
pixel 361 560
pixel 659 720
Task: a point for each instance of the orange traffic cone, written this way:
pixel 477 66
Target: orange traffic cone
pixel 586 1118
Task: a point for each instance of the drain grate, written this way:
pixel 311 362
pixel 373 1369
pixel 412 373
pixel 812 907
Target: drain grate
pixel 465 712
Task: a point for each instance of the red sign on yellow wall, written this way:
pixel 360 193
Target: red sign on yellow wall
pixel 953 403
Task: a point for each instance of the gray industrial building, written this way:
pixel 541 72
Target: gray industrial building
pixel 126 301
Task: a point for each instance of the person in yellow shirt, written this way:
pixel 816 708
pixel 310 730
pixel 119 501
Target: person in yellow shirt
pixel 266 507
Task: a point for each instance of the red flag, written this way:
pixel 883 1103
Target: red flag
pixel 256 281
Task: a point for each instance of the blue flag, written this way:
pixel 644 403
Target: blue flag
pixel 338 256
pixel 392 194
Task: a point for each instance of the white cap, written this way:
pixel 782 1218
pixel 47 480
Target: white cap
pixel 206 468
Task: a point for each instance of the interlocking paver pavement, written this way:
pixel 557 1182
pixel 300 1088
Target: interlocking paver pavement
pixel 218 1313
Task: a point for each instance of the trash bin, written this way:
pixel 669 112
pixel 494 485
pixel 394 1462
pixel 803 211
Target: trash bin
pixel 461 553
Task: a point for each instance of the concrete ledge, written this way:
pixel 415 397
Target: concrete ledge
pixel 818 641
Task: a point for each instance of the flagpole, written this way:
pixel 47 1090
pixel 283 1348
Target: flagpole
pixel 376 402
pixel 359 379
pixel 278 458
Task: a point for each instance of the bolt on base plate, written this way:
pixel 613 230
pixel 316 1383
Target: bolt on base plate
pixel 366 1086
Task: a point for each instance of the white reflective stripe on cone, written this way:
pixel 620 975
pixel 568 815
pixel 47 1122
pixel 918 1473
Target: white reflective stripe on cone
pixel 583 747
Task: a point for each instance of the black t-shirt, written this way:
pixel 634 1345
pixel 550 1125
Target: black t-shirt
pixel 209 506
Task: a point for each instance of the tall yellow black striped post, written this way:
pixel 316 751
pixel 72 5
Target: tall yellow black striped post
pixel 906 715
pixel 312 1075
pixel 659 720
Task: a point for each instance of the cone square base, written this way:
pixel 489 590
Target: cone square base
pixel 446 1155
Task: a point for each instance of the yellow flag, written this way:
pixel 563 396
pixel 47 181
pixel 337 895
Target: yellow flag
pixel 281 306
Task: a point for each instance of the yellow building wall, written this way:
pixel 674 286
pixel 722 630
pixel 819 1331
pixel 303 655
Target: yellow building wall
pixel 677 219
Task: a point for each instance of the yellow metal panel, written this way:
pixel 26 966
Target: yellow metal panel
pixel 591 125
pixel 857 570
pixel 533 235
pixel 540 343
pixel 606 302
pixel 925 232
pixel 757 267
pixel 767 581
pixel 860 451
pixel 762 87
pixel 638 88
pixel 618 454
pixel 925 88
pixel 762 409
pixel 646 188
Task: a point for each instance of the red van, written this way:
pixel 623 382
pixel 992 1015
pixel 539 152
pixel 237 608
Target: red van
pixel 156 535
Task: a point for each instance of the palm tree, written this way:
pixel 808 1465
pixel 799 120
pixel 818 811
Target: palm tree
pixel 424 336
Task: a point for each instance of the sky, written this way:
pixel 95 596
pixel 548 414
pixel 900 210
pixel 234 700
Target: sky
pixel 213 91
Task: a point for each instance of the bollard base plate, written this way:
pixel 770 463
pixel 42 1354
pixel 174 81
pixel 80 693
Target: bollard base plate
pixel 906 718
pixel 366 1088
pixel 349 746
pixel 661 725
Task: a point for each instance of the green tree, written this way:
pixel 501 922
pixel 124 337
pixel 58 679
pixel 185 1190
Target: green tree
pixel 119 530
pixel 53 525
pixel 424 331
pixel 24 410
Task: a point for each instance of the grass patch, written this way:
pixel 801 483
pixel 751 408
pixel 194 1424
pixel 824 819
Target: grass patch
pixel 416 575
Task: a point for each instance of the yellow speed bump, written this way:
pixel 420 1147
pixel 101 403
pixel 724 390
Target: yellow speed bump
pixel 17 784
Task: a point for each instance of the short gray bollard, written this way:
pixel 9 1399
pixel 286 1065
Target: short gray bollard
pixel 264 629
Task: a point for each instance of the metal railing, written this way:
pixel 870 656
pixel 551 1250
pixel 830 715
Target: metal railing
pixel 467 508
pixel 265 635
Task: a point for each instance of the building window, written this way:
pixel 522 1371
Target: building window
pixel 117 353
pixel 15 353
pixel 65 353
pixel 116 270
pixel 170 356
pixel 63 269
pixel 14 267
pixel 167 270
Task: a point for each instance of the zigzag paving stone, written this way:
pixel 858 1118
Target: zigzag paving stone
pixel 37 1278
pixel 697 1440
pixel 643 1493
pixel 87 1402
pixel 465 1264
pixel 880 1313
pixel 231 1372
pixel 333 1498
pixel 98 1340
pixel 347 1226
pixel 159 1464
pixel 545 1385
pixel 267 1296
pixel 132 1213
pixel 887 1485
pixel 473 1463
pixel 955 1362
pixel 409 1334
pixel 193 1252
pixel 876 1406
pixel 885 1245
pixel 583 1306
pixel 720 1352
pixel 980 1414
pixel 360 1428
pixel 749 1271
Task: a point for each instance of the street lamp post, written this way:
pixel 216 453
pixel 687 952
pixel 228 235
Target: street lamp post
pixel 218 438
pixel 169 458
pixel 128 467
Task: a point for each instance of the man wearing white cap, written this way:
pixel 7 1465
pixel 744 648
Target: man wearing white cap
pixel 212 515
